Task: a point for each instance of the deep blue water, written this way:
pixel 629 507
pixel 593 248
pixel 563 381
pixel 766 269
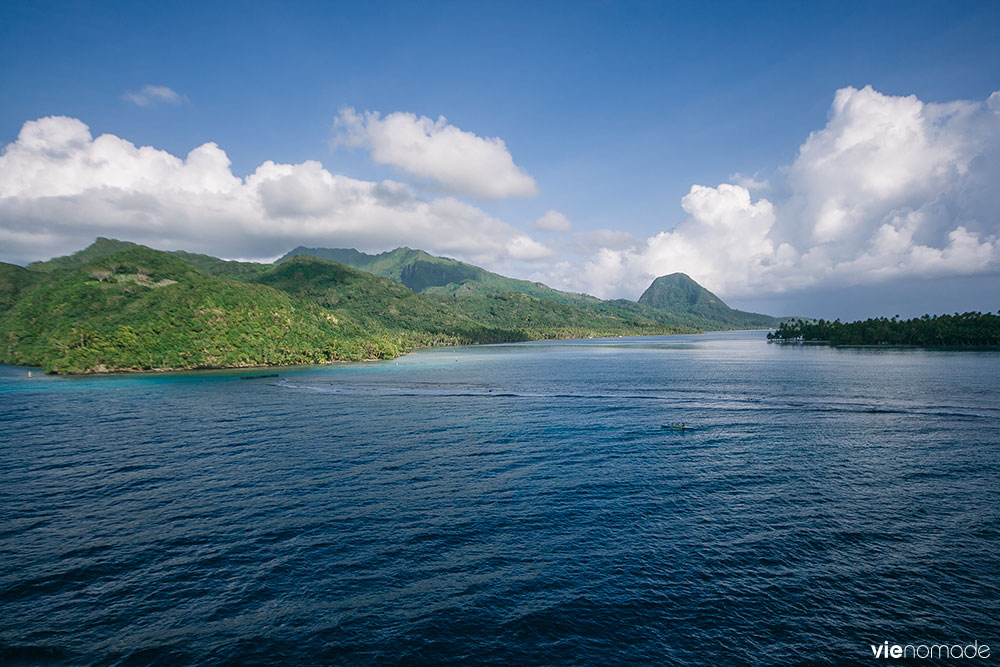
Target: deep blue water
pixel 516 504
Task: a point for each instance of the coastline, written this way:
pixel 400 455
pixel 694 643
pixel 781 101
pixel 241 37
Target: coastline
pixel 102 370
pixel 887 346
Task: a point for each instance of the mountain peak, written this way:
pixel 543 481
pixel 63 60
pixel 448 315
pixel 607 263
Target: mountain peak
pixel 99 248
pixel 679 293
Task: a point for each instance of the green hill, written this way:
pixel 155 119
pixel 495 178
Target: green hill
pixel 223 268
pixel 498 302
pixel 13 280
pixel 467 316
pixel 142 309
pixel 99 248
pixel 673 303
pixel 540 318
pixel 376 303
pixel 678 293
pixel 438 276
pixel 116 305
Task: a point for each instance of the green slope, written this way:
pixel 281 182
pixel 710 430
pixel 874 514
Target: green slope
pixel 438 276
pixel 223 268
pixel 376 303
pixel 675 302
pixel 119 306
pixel 677 293
pixel 13 280
pixel 143 309
pixel 381 304
pixel 523 309
pixel 99 248
pixel 544 318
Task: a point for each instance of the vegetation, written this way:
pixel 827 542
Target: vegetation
pixel 967 329
pixel 439 276
pixel 99 248
pixel 674 303
pixel 678 293
pixel 222 268
pixel 142 309
pixel 545 319
pixel 13 280
pixel 118 306
pixel 380 305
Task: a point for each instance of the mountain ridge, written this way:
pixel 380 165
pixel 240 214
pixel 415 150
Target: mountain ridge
pixel 441 276
pixel 669 299
pixel 119 306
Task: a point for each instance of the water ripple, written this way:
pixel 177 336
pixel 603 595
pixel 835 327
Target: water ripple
pixel 522 507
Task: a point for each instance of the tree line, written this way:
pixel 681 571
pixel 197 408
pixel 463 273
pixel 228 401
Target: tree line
pixel 960 330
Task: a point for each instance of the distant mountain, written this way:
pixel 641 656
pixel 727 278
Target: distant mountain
pixel 678 293
pixel 675 300
pixel 376 303
pixel 503 308
pixel 119 306
pixel 439 276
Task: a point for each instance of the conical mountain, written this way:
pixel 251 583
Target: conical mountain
pixel 679 293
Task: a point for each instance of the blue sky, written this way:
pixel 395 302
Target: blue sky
pixel 615 110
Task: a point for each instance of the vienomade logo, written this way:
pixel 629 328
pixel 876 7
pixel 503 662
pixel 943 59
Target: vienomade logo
pixel 934 651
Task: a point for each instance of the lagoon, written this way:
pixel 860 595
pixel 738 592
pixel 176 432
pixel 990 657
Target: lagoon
pixel 506 504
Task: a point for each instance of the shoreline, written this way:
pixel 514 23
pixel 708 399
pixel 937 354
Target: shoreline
pixel 103 372
pixel 886 346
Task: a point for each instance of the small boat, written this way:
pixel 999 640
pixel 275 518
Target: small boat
pixel 257 377
pixel 677 426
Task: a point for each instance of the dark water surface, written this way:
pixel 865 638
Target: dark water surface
pixel 506 504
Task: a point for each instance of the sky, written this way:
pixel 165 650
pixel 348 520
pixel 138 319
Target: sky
pixel 824 159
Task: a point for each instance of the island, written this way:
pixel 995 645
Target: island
pixel 117 306
pixel 972 329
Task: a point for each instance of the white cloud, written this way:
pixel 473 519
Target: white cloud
pixel 890 188
pixel 525 248
pixel 436 153
pixel 723 242
pixel 751 183
pixel 153 95
pixel 60 187
pixel 552 221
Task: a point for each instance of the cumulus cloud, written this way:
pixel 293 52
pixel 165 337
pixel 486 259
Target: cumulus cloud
pixel 552 221
pixel 890 188
pixel 153 95
pixel 436 153
pixel 60 187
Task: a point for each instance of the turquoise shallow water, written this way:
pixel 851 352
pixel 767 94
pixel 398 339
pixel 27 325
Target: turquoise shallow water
pixel 506 504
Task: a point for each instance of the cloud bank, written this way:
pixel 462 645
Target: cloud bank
pixel 890 188
pixel 436 153
pixel 60 187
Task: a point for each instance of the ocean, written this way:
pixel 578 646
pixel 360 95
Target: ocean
pixel 506 504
